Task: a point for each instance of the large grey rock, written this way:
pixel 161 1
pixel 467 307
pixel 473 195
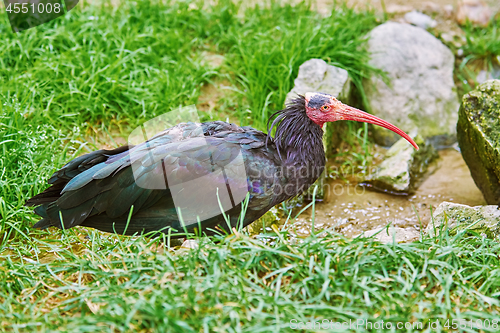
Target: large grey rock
pixel 478 132
pixel 421 93
pixel 403 167
pixel 315 75
pixel 484 220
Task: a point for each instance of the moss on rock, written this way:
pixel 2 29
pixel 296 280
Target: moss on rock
pixel 478 131
pixel 482 220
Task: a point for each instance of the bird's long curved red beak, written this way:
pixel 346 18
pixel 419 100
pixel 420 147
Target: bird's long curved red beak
pixel 346 112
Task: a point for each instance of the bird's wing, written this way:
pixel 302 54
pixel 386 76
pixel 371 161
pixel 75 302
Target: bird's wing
pixel 78 165
pixel 82 163
pixel 180 168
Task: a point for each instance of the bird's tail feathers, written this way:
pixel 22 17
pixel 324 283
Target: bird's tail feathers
pixel 41 211
pixel 43 224
pixel 49 195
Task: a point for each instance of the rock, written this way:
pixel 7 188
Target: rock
pixel 317 75
pixel 421 92
pixel 190 244
pixel 420 20
pixel 403 167
pixel 484 220
pixel 396 234
pixel 474 11
pixel 261 225
pixel 452 38
pixel 478 131
pixel 177 242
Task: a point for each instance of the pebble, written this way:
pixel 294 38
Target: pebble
pixel 492 74
pixel 394 234
pixel 420 20
pixel 448 11
pixel 190 244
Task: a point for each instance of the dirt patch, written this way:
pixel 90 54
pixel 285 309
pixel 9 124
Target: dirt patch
pixel 211 94
pixel 212 59
pixel 101 139
pixel 352 209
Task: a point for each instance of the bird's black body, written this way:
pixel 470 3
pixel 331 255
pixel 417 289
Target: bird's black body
pixel 98 189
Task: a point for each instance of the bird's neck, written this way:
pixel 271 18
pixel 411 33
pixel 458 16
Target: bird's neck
pixel 300 144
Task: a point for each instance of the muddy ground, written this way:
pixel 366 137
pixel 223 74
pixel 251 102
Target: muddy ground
pixel 391 6
pixel 352 209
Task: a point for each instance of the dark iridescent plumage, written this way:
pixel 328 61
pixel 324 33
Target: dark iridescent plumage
pixel 97 189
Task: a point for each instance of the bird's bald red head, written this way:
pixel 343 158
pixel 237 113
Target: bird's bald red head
pixel 322 108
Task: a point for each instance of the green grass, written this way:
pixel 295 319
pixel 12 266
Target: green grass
pixel 30 153
pixel 480 49
pixel 132 62
pixel 243 285
pixel 106 69
pixel 483 44
pixel 105 64
pixel 265 51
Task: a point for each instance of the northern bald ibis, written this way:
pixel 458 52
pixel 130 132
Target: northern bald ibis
pixel 182 178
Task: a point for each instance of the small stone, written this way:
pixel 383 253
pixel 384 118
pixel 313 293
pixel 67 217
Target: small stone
pixel 190 244
pixel 475 11
pixel 448 11
pixel 483 220
pixel 403 167
pixel 394 234
pixel 493 74
pixel 447 37
pixel 420 20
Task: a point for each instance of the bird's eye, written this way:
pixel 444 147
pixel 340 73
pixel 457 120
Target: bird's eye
pixel 324 107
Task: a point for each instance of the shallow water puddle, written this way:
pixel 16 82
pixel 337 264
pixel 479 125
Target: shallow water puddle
pixel 352 209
